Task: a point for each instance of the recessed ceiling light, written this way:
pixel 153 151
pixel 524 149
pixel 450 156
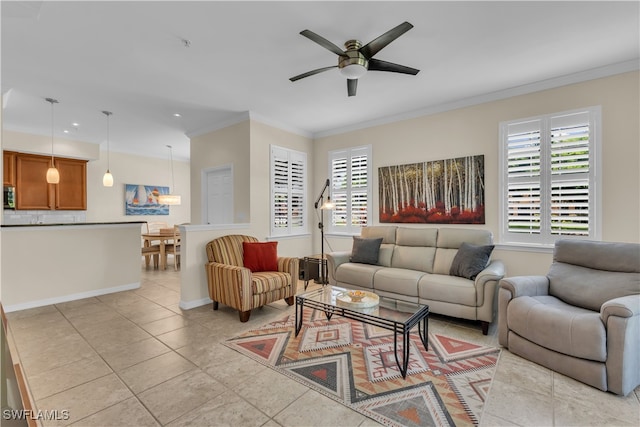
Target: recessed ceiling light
pixel 177 115
pixel 65 131
pixel 75 125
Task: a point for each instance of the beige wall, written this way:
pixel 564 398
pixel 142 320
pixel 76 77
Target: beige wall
pixel 107 203
pixel 247 141
pixel 474 130
pixel 227 146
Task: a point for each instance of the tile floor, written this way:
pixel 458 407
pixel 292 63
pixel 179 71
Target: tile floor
pixel 136 359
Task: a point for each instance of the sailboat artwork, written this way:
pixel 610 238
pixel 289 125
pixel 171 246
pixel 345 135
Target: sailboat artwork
pixel 143 200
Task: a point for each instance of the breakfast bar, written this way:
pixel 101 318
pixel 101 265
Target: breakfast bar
pixel 45 264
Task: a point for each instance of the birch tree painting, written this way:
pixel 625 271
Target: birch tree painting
pixel 444 192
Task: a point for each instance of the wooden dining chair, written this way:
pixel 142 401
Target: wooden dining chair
pixel 173 248
pixel 156 226
pixel 151 251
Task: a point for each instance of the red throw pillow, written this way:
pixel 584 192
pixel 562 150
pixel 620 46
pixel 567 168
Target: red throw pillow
pixel 260 256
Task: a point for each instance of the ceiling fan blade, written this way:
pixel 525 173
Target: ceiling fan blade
pixel 311 73
pixel 323 42
pixel 376 45
pixel 352 85
pixel 378 65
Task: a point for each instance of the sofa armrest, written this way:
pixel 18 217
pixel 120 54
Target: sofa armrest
pixel 486 284
pixel 290 265
pixel 514 287
pixel 494 271
pixel 627 306
pixel 621 317
pixel 229 285
pixel 521 286
pixel 334 260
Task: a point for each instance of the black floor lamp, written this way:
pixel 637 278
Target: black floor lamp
pixel 323 206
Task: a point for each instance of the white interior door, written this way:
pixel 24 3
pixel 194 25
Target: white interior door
pixel 218 186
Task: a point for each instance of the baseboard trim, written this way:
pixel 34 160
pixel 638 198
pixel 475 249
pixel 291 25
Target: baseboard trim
pixel 71 297
pixel 188 305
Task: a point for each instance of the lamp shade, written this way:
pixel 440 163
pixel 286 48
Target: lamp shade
pixel 107 179
pixel 169 199
pixel 53 176
pixel 328 205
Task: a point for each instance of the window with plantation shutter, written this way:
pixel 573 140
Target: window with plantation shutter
pixel 548 175
pixel 288 191
pixel 350 172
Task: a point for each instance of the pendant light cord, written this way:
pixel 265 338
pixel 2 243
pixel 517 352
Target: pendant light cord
pixel 173 184
pixel 51 101
pixel 108 113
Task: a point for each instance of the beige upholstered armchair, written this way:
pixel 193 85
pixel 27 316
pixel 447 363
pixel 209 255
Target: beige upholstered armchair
pixel 236 286
pixel 583 318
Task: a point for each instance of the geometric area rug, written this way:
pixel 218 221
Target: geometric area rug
pixel 353 364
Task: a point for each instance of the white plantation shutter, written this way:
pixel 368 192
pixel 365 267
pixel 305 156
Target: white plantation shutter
pixel 350 183
pixel 549 180
pixel 569 150
pixel 288 191
pixel 523 177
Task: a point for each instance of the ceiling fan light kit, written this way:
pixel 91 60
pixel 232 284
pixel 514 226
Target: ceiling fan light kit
pixel 356 59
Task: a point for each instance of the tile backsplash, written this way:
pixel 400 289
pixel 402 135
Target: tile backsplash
pixel 15 217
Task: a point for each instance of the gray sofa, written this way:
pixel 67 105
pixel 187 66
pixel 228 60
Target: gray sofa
pixel 414 265
pixel 583 318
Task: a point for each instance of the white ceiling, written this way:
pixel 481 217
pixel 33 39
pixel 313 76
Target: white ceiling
pixel 129 58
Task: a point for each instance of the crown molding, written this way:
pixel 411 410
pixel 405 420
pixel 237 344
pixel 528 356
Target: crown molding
pixel 582 76
pixel 233 119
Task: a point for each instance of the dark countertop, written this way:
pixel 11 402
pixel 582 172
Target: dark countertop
pixel 71 223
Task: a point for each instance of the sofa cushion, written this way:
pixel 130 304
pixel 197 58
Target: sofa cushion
pixel 387 232
pixel 589 288
pixel 470 260
pixel 365 250
pixel 414 258
pixel 416 236
pixel 398 280
pixel 269 281
pixel 607 256
pixel 558 326
pixel 386 254
pixel 450 289
pixel 454 237
pixel 443 260
pixel 356 274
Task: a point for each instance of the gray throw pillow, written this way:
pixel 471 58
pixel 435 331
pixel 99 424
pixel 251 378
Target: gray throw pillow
pixel 365 251
pixel 470 260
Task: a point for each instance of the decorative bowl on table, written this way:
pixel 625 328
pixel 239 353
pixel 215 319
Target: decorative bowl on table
pixel 356 296
pixel 357 299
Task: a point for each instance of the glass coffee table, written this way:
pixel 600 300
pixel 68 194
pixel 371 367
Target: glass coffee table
pixel 391 314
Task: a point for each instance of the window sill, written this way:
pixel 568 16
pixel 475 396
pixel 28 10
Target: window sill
pixel 524 247
pixel 287 237
pixel 341 235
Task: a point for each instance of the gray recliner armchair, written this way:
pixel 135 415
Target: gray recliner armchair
pixel 583 318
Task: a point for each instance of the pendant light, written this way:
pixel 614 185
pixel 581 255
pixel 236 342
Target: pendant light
pixel 107 179
pixel 170 199
pixel 53 176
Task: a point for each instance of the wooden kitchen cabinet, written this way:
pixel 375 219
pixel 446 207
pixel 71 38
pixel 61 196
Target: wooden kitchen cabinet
pixel 32 189
pixel 71 191
pixel 9 168
pixel 34 193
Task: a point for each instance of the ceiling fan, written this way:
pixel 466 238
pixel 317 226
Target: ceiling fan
pixel 357 59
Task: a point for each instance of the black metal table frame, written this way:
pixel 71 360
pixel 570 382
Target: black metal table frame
pixel 419 318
